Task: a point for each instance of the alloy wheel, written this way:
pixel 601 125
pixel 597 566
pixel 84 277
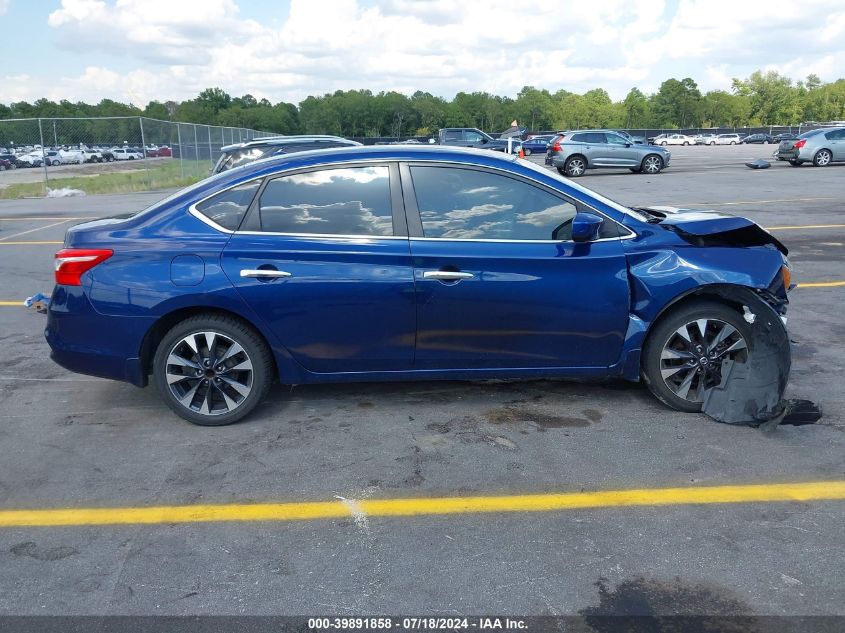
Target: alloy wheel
pixel 209 373
pixel 652 164
pixel 691 360
pixel 575 167
pixel 823 158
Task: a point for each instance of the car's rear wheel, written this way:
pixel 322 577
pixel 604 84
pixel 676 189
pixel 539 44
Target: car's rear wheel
pixel 652 164
pixel 575 166
pixel 686 143
pixel 212 370
pixel 526 151
pixel 822 158
pixel 796 163
pixel 684 352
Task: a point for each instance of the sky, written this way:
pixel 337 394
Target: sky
pixel 135 51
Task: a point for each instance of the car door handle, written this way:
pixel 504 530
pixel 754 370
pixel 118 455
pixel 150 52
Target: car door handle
pixel 264 273
pixel 446 275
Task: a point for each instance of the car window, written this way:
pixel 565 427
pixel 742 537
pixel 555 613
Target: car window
pixel 228 208
pixel 452 135
pixel 615 139
pixel 470 204
pixel 346 201
pixel 472 137
pixel 836 135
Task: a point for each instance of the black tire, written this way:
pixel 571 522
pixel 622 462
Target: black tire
pixel 575 166
pixel 561 171
pixel 796 163
pixel 685 143
pixel 526 151
pixel 822 158
pixel 663 331
pixel 652 164
pixel 663 143
pixel 733 142
pixel 634 170
pixel 712 143
pixel 255 350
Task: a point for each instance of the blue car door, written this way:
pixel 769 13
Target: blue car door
pixel 499 282
pixel 321 260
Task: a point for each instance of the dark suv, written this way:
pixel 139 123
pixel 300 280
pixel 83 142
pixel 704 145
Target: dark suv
pixel 473 137
pixel 243 153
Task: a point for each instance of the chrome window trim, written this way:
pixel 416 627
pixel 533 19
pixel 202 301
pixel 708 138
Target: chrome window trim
pixel 631 234
pixel 501 241
pixel 192 209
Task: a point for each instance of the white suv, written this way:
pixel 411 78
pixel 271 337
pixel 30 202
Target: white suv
pixel 727 139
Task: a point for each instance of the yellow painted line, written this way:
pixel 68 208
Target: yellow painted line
pixel 36 243
pixel 821 284
pixel 757 493
pixel 38 228
pixel 17 304
pixel 798 227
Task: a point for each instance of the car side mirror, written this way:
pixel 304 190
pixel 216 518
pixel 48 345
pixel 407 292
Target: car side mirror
pixel 627 145
pixel 585 227
pixel 483 141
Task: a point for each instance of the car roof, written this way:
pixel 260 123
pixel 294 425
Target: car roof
pixel 287 140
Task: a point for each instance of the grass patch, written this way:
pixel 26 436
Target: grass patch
pixel 169 175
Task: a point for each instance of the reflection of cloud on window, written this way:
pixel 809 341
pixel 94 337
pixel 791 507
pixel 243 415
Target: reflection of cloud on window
pixel 478 190
pixel 550 217
pixel 329 176
pixel 488 230
pixel 344 218
pixel 478 210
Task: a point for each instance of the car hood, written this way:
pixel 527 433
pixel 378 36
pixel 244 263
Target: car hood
pixel 706 228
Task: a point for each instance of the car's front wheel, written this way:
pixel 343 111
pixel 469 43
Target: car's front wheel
pixel 526 151
pixel 684 352
pixel 212 370
pixel 652 164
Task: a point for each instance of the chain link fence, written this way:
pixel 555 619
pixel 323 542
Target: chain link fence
pixel 108 154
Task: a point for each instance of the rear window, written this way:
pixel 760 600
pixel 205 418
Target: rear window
pixel 589 137
pixel 228 208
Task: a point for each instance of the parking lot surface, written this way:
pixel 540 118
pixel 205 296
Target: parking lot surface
pixel 74 442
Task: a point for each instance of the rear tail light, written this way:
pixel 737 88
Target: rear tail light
pixel 800 144
pixel 71 263
pixel 556 146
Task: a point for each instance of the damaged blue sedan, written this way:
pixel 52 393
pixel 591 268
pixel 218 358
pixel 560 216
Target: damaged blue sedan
pixel 408 263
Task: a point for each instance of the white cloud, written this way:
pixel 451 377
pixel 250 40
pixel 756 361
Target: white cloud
pixel 177 48
pixel 4 6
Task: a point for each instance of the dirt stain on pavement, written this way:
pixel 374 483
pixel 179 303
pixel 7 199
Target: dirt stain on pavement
pixel 32 550
pixel 644 606
pixel 540 419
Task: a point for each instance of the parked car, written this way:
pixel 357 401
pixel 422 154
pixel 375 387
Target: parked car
pixel 575 152
pixel 704 139
pixel 762 139
pixel 52 157
pixel 784 136
pixel 91 156
pixel 351 264
pixel 250 151
pixel 11 159
pixel 727 139
pixel 126 153
pixel 473 137
pixel 32 159
pixel 820 147
pixel 108 155
pixel 537 144
pixel 5 164
pixel 164 151
pixel 673 139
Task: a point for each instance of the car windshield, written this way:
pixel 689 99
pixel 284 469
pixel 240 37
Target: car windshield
pixel 238 157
